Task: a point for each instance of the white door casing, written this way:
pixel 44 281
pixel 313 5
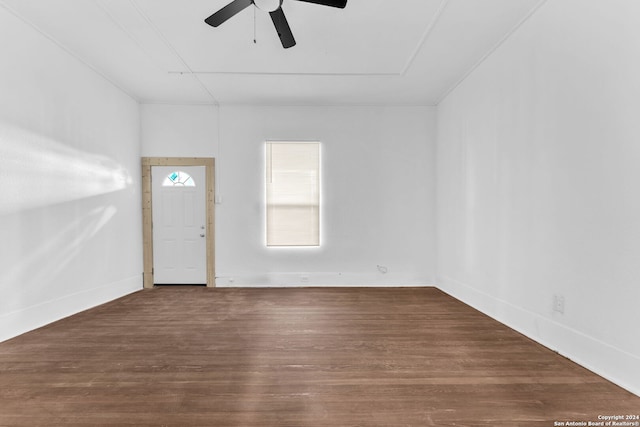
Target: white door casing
pixel 179 225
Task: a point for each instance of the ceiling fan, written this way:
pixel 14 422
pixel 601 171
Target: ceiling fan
pixel 274 7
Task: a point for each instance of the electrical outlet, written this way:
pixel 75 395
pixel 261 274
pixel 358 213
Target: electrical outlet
pixel 558 303
pixel 304 278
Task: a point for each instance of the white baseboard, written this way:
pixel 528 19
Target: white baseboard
pixel 30 318
pixel 293 280
pixel 614 364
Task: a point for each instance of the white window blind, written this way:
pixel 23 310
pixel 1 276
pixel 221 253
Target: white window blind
pixel 293 194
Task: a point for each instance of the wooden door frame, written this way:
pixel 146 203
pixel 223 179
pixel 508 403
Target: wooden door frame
pixel 147 211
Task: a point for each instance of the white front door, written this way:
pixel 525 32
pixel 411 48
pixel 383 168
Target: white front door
pixel 179 224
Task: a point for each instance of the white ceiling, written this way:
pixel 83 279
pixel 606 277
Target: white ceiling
pixel 373 52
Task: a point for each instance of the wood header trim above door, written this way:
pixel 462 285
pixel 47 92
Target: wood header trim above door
pixel 147 222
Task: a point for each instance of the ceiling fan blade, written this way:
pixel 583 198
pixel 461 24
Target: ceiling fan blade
pixel 333 3
pixel 283 29
pixel 227 12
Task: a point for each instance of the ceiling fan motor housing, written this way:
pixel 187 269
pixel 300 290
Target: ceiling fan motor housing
pixel 268 5
pixel 274 8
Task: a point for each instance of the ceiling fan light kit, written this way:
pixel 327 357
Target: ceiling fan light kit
pixel 274 8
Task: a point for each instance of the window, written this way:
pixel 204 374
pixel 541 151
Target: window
pixel 293 193
pixel 178 179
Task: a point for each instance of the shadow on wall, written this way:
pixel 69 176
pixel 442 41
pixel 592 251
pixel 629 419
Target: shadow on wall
pixel 45 260
pixel 49 213
pixel 36 171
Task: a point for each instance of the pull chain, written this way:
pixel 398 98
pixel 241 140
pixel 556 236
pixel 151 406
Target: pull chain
pixel 254 26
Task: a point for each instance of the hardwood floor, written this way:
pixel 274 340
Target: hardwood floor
pixel 192 356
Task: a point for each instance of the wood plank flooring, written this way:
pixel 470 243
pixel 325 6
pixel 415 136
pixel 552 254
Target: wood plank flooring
pixel 192 356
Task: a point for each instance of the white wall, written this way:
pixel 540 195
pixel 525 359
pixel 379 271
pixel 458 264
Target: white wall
pixel 378 196
pixel 70 210
pixel 538 154
pixel 179 130
pixel 378 190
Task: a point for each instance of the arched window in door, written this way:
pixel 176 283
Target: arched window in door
pixel 178 179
